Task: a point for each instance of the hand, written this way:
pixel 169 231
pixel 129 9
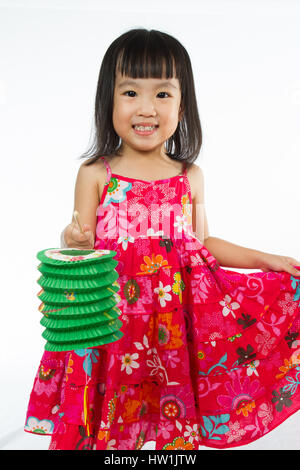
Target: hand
pixel 75 239
pixel 270 262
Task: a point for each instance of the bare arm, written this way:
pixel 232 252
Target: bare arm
pixel 234 256
pixel 86 201
pixel 199 217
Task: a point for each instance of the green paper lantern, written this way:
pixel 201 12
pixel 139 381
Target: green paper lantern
pixel 70 257
pixel 69 311
pixel 51 283
pixel 84 344
pixel 80 271
pixel 69 323
pixel 79 294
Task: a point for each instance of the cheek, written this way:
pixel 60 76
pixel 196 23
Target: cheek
pixel 170 112
pixel 121 110
pixel 118 116
pixel 171 120
pixel 121 121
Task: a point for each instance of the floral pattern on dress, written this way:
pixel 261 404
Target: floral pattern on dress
pixel 116 191
pixel 209 357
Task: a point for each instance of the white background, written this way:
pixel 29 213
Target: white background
pixel 245 57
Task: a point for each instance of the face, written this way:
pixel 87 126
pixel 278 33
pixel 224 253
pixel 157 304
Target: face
pixel 146 102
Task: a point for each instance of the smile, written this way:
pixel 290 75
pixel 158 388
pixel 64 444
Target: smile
pixel 144 130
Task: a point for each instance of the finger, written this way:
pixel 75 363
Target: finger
pixel 293 261
pixel 296 265
pixel 88 246
pixel 292 270
pixel 86 238
pixel 89 234
pixel 91 240
pixel 74 231
pixel 76 239
pixel 79 236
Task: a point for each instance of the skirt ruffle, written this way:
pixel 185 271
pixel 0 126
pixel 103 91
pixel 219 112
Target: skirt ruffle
pixel 209 357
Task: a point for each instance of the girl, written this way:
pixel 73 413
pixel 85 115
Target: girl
pixel 209 356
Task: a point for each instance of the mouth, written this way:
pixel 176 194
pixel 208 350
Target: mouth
pixel 144 130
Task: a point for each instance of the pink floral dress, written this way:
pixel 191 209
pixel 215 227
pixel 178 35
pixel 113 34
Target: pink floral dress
pixel 209 357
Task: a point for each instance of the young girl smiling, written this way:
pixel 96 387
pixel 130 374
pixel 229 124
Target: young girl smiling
pixel 209 356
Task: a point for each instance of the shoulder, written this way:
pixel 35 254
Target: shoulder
pixel 196 180
pixel 88 171
pixel 95 172
pixel 194 171
pixel 90 175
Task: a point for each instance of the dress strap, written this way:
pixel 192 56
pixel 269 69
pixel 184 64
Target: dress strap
pixel 108 169
pixel 184 168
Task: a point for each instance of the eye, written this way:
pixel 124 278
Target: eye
pixel 164 93
pixel 129 92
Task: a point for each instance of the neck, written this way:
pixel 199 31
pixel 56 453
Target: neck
pixel 147 156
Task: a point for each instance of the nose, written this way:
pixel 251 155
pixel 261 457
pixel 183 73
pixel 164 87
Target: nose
pixel 146 107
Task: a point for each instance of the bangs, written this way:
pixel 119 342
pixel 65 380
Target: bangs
pixel 148 57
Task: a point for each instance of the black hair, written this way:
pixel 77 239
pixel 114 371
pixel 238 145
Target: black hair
pixel 142 53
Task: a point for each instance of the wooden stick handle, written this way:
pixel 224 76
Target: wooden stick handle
pixel 77 220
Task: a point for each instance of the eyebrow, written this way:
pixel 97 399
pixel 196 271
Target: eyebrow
pixel 132 82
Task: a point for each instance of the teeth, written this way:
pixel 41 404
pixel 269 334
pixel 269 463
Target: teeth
pixel 146 128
